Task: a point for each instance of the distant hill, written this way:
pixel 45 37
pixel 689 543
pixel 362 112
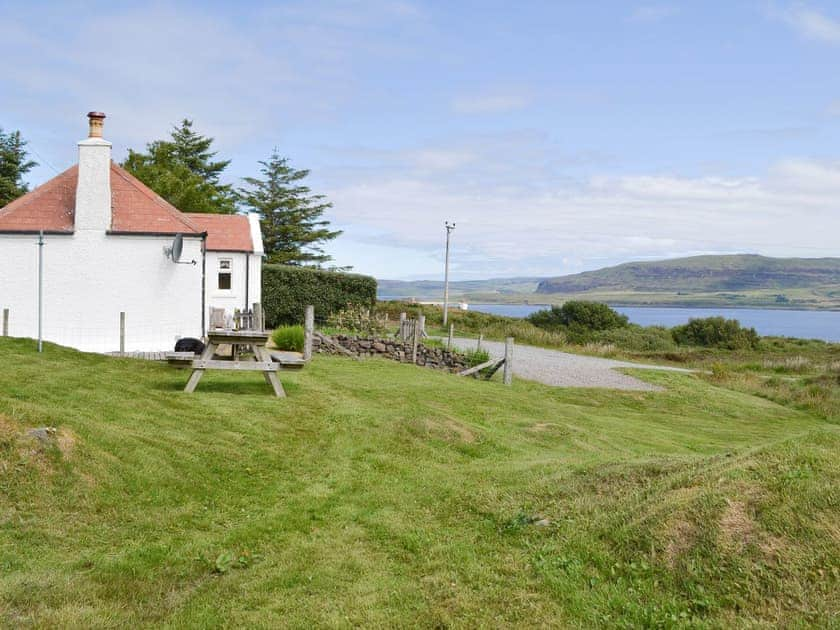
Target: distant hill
pixel 740 272
pixel 741 280
pixel 433 289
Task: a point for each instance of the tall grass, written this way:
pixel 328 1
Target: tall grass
pixel 289 338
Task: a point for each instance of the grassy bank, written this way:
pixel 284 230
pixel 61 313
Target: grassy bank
pixel 380 494
pixel 803 373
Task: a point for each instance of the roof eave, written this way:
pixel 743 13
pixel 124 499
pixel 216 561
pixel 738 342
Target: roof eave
pixel 45 232
pixel 131 233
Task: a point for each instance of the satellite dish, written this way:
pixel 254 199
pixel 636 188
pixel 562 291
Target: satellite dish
pixel 174 252
pixel 177 248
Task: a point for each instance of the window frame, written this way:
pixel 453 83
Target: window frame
pixel 225 268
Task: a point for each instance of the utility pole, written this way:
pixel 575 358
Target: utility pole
pixel 40 290
pixel 449 227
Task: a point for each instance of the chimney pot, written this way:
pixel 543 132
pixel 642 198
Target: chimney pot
pixel 95 122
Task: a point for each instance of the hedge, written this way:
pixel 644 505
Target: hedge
pixel 287 290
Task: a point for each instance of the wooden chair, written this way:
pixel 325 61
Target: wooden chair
pixel 217 318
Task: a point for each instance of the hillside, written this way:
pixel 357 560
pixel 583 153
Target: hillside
pixel 742 272
pixel 477 506
pixel 741 280
pixel 433 289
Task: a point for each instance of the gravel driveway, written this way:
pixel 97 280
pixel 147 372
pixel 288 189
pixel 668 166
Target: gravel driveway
pixel 563 369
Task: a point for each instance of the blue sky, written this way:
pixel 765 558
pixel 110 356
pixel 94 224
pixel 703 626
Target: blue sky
pixel 559 136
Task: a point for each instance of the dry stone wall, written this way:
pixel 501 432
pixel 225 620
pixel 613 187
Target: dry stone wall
pixel 394 349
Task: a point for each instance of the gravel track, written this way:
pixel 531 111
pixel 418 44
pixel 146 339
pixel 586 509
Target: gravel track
pixel 563 369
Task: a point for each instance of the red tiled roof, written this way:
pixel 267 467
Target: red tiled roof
pixel 49 207
pixel 225 232
pixel 135 208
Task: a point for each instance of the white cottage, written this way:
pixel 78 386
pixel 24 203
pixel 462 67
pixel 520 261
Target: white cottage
pixel 107 243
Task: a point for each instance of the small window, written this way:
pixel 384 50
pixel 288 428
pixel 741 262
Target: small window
pixel 224 274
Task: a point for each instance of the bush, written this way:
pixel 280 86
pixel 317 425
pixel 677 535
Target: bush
pixel 288 338
pixel 716 332
pixel 287 290
pixel 579 315
pixel 639 339
pixel 359 320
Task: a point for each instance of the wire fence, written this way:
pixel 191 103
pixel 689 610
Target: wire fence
pixel 113 333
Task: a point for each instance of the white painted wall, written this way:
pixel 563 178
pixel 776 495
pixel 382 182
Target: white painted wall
pixel 90 277
pixel 236 297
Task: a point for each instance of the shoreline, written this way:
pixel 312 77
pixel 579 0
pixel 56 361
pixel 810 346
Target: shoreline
pixel 684 305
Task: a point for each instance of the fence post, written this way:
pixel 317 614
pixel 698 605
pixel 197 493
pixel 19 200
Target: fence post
pixel 5 322
pixel 415 339
pixel 508 373
pixel 122 333
pixel 257 316
pixel 421 321
pixel 403 333
pixel 480 339
pixel 451 333
pixel 308 331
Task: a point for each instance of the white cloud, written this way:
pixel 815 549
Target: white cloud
pixel 811 24
pixel 600 220
pixel 493 103
pixel 653 12
pixel 148 66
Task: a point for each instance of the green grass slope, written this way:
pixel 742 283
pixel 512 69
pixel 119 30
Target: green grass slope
pixel 743 272
pixel 380 494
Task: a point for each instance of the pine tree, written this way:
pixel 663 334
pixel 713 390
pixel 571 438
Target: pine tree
pixel 182 171
pixel 13 166
pixel 290 215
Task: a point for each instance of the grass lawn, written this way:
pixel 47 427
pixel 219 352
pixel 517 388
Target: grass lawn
pixel 380 494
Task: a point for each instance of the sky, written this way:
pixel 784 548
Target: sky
pixel 559 136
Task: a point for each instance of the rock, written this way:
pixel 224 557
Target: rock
pixel 543 522
pixel 379 347
pixel 42 434
pixel 365 344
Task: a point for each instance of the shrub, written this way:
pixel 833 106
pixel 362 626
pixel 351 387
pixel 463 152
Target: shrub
pixel 579 316
pixel 639 339
pixel 716 332
pixel 359 320
pixel 287 290
pixel 288 338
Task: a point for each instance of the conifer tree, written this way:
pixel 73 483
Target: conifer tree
pixel 182 171
pixel 14 164
pixel 290 215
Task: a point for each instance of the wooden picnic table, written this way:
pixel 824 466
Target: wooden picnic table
pixel 262 362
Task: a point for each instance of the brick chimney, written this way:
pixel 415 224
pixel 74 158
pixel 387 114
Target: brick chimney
pixel 93 190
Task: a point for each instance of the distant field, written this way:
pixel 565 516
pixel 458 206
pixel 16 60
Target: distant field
pixel 808 298
pixel 386 495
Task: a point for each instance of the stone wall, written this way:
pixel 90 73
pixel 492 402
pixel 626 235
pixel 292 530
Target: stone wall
pixel 394 349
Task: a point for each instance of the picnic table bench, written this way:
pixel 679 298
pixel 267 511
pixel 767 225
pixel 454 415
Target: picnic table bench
pixel 255 339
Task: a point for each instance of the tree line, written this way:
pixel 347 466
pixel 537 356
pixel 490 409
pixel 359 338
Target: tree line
pixel 184 170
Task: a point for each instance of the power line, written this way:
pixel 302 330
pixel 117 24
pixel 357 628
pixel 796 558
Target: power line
pixel 43 159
